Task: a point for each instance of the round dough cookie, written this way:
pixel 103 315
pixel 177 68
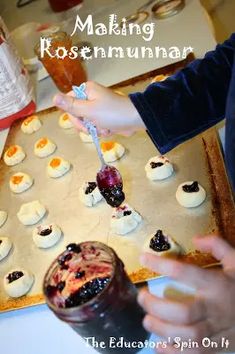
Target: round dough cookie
pixel 112 151
pixel 190 194
pixel 46 236
pixel 44 147
pixel 86 138
pixel 20 182
pixel 5 246
pixel 31 213
pixel 3 217
pixel 158 168
pixel 65 122
pixel 162 245
pixel 57 167
pixel 31 125
pixel 89 194
pixel 18 282
pixel 14 155
pixel 124 219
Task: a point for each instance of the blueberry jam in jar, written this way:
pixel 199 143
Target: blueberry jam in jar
pixel 110 184
pixel 94 295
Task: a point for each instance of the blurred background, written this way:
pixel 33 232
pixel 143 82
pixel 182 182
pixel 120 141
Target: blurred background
pixel 222 13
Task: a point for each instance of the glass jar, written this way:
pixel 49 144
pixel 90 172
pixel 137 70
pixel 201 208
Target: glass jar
pixel 65 72
pixel 109 314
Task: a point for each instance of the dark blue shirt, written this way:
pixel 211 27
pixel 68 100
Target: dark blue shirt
pixel 193 100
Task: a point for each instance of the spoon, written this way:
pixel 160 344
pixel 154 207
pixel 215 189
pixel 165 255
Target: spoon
pixel 108 178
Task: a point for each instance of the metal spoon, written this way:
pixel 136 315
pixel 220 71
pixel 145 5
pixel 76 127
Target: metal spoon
pixel 109 179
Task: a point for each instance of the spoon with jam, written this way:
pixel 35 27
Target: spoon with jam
pixel 108 178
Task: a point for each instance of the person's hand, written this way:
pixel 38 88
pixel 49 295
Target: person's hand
pixel 210 313
pixel 106 108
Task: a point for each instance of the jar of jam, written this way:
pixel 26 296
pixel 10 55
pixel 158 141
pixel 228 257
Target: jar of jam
pixel 88 288
pixel 64 70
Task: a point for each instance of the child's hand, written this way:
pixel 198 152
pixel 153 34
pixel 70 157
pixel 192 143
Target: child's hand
pixel 110 111
pixel 209 313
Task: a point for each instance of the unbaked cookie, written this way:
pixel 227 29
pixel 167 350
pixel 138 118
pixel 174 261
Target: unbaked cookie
pixel 31 213
pixel 162 245
pixel 190 194
pixel 158 168
pixel 112 151
pixel 5 247
pixel 3 217
pixel 124 219
pixel 57 167
pixel 89 194
pixel 65 122
pixel 18 282
pixel 20 182
pixel 14 155
pixel 44 147
pixel 31 125
pixel 86 138
pixel 45 236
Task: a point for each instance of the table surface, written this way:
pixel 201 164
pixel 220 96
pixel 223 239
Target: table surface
pixel 36 330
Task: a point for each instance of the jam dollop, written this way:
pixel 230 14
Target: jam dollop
pixel 114 196
pixel 45 232
pixel 191 188
pixel 156 164
pixel 159 242
pixel 127 212
pixel 14 276
pixel 91 186
pixel 0 242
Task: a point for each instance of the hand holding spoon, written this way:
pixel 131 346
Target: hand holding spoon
pixel 108 178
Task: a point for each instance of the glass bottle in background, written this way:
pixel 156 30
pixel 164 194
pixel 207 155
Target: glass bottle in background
pixel 16 91
pixel 87 287
pixel 65 72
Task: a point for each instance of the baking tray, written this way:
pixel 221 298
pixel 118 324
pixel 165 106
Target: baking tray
pixel 198 159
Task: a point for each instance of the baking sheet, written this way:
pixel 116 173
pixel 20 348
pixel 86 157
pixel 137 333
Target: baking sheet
pixel 155 201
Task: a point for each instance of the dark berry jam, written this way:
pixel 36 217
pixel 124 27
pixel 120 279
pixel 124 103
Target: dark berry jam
pixel 0 242
pixel 74 247
pixel 87 292
pixel 114 196
pixel 63 259
pixel 156 164
pixel 191 188
pixel 159 242
pixel 46 232
pixel 61 286
pixel 91 186
pixel 14 276
pixel 79 275
pixel 127 212
pixel 51 290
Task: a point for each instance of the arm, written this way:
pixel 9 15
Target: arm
pixel 189 102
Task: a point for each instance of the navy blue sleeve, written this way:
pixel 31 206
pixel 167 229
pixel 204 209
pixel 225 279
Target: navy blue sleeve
pixel 190 101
